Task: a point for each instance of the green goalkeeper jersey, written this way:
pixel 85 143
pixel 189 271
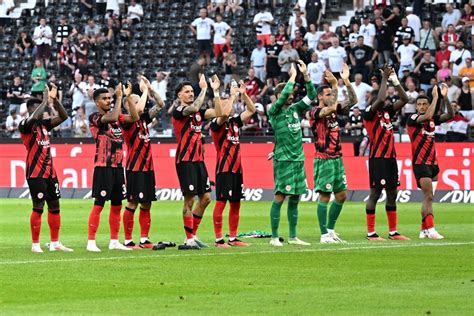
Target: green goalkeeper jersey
pixel 286 124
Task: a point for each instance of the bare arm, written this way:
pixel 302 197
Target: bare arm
pixel 194 108
pixel 350 89
pixel 401 93
pixel 58 106
pixel 380 101
pixel 450 110
pixel 431 109
pixel 113 115
pixel 250 107
pixel 38 113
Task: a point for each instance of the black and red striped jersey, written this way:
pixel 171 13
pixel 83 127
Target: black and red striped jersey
pixel 108 142
pixel 39 162
pixel 327 135
pixel 422 137
pixel 137 139
pixel 226 140
pixel 380 131
pixel 188 134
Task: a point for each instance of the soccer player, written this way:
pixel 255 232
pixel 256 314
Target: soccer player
pixel 329 173
pixel 139 167
pixel 109 181
pixel 229 178
pixel 40 174
pixel 383 169
pixel 192 173
pixel 421 128
pixel 288 157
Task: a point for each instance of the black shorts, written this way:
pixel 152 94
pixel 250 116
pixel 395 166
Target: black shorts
pixel 229 187
pixel 44 189
pixel 43 51
pixel 383 173
pixel 204 46
pixel 273 72
pixel 425 171
pixel 141 186
pixel 108 184
pixel 193 178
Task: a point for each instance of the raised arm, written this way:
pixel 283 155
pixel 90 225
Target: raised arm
pixel 159 104
pixel 431 109
pixel 250 109
pixel 401 92
pixel 450 111
pixel 350 89
pixel 113 116
pixel 332 107
pixel 380 101
pixel 285 93
pixel 217 111
pixel 194 108
pixel 38 113
pixel 305 103
pixel 58 106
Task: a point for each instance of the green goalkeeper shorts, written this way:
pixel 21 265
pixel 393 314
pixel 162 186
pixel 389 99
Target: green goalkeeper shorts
pixel 289 177
pixel 329 175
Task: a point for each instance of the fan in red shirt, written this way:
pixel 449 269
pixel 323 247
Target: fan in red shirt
pixel 383 169
pixel 192 173
pixel 139 167
pixel 109 181
pixel 229 179
pixel 40 174
pixel 421 129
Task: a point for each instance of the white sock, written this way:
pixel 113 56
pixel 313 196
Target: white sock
pixel 114 241
pixel 143 239
pixel 35 245
pixel 91 243
pixel 54 244
pixel 127 241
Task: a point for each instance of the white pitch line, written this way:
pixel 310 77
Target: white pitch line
pixel 195 254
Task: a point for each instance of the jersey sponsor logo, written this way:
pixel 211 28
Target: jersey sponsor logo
pixel 428 134
pixel 44 143
pixel 387 126
pixel 196 128
pixel 233 139
pixel 333 124
pixel 145 137
pixel 294 126
pixel 116 131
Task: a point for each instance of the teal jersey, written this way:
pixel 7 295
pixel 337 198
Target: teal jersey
pixel 286 124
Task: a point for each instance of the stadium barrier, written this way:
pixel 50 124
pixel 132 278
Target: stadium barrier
pixel 74 164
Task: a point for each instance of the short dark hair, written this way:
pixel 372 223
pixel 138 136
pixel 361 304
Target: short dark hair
pixel 180 87
pixel 321 88
pixel 360 36
pixel 33 102
pixel 99 91
pixel 422 97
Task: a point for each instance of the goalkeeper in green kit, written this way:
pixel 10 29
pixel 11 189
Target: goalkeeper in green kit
pixel 288 157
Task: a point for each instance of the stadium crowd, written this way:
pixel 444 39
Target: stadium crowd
pixel 426 44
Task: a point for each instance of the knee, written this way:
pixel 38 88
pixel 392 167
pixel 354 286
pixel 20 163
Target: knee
pixel 145 205
pixel 205 199
pixel 375 195
pixel 341 196
pixel 99 202
pixel 324 197
pixel 280 198
pixel 429 196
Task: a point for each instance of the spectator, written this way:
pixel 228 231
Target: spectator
pixel 458 125
pixel 343 35
pixel 221 29
pixel 442 54
pixel 88 92
pixel 85 7
pixel 362 90
pixel 466 96
pixel 322 53
pixel 467 21
pixel 195 70
pixel 313 11
pixel 256 89
pixel 272 67
pixel 468 71
pixel 393 19
pixel 106 81
pixel 285 58
pixel 367 30
pixel 101 7
pixel 354 34
pixel 354 127
pixel 82 50
pixel 415 23
pixel 42 36
pixel 263 21
pixel 59 86
pixel 234 6
pixel 201 27
pixel 113 9
pixel 281 36
pixel 23 44
pixel 362 57
pixel 110 31
pixel 336 56
pixel 312 37
pixel 6 7
pixel 125 33
pixel 406 54
pixel 93 32
pixel 66 59
pixel 160 85
pixel 304 52
pixel 38 75
pixel 342 97
pixel 410 108
pixel 453 90
pixel 76 92
pixel 327 36
pixel 382 44
pixel 79 126
pixel 444 72
pixel 134 12
pixel 452 16
pixel 216 6
pixel 16 95
pixel 316 69
pixel 426 69
pixel 262 118
pixel 450 37
pixel 229 63
pixel 428 37
pixel 63 30
pixel 458 58
pixel 404 31
pixel 293 25
pixel 12 122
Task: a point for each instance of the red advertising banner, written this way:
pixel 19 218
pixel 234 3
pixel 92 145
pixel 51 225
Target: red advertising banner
pixel 74 165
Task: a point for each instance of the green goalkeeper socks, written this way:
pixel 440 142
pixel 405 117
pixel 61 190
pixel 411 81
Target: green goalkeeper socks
pixel 292 216
pixel 323 217
pixel 275 217
pixel 334 212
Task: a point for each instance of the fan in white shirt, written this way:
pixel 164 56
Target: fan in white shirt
pixel 367 30
pixel 134 12
pixel 361 89
pixel 316 69
pixel 406 55
pixel 336 56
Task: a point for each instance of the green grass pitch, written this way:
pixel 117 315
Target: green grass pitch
pixel 358 278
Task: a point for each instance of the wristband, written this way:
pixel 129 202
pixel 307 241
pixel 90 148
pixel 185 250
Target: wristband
pixel 395 81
